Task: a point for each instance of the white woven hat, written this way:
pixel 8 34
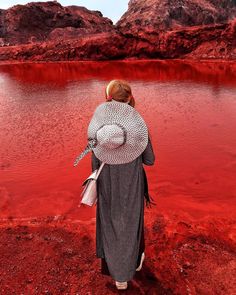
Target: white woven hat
pixel 117 133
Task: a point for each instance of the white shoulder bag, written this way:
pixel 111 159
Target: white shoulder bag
pixel 89 193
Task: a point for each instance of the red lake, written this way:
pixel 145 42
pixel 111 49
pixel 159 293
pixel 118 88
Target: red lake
pixel 189 107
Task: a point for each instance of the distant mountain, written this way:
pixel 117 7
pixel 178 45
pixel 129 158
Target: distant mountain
pixel 149 29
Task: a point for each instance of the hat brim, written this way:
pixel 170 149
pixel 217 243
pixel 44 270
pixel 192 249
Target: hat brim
pixel 136 137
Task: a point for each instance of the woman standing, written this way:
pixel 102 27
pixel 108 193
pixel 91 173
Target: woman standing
pixel 123 143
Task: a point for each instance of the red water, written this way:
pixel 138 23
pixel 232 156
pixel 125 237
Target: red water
pixel 190 109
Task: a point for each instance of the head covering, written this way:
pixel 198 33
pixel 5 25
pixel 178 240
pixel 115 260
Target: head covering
pixel 117 133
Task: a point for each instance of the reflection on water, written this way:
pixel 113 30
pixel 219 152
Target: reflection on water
pixel 190 109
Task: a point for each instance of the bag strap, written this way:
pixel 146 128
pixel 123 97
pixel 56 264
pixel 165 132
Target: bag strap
pixel 99 171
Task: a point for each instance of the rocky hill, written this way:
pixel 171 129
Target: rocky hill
pixel 190 29
pixel 41 21
pixel 166 15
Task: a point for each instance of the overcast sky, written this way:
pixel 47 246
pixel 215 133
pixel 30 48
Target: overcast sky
pixel 110 8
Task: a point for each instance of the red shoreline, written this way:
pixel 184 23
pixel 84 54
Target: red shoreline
pixel 188 60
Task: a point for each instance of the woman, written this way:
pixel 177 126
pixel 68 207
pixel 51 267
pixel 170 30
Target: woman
pixel 123 143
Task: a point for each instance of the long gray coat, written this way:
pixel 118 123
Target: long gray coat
pixel 120 215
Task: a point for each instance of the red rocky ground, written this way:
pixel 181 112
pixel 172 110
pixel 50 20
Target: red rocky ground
pixel 57 256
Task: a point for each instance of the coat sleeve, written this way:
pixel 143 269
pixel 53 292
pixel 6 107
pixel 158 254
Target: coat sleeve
pixel 94 162
pixel 148 156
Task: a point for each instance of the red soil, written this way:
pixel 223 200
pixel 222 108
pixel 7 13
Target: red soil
pixel 57 256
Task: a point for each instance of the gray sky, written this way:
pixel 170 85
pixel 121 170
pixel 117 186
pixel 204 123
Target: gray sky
pixel 110 8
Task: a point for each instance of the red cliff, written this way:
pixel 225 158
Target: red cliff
pixel 181 29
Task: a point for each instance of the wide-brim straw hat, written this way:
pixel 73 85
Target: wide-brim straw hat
pixel 117 133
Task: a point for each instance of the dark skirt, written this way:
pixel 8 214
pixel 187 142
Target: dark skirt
pixel 120 219
pixel 104 267
pixel 122 190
